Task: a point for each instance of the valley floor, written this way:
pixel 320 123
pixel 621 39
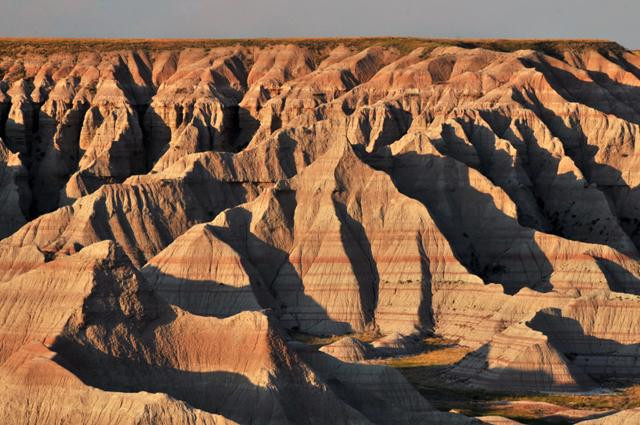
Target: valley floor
pixel 425 371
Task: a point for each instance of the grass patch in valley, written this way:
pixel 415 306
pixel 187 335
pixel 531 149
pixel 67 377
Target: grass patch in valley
pixel 427 369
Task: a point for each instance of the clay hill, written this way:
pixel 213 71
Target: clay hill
pixel 175 215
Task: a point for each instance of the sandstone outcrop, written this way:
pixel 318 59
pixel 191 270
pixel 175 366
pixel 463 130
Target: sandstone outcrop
pixel 520 359
pixel 396 344
pixel 15 196
pixel 101 328
pixel 204 275
pixel 344 262
pixel 625 417
pixel 36 388
pixel 348 349
pixel 169 217
pixel 498 420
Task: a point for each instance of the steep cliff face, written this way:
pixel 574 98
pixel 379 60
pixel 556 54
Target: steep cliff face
pixel 171 213
pixel 15 195
pixel 106 325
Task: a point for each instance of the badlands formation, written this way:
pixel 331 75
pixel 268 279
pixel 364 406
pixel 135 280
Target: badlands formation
pixel 175 216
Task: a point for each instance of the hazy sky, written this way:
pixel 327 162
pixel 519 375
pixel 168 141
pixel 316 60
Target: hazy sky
pixel 612 19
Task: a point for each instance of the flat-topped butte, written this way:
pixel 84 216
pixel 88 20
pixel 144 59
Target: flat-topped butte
pixel 555 47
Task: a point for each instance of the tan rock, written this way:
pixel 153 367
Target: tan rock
pixel 498 420
pixel 36 388
pixel 347 349
pixel 202 274
pixel 625 417
pixel 489 197
pixel 95 309
pixel 520 359
pixel 15 195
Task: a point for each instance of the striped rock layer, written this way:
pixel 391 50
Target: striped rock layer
pixel 169 215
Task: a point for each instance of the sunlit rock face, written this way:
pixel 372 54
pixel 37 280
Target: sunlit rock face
pixel 171 216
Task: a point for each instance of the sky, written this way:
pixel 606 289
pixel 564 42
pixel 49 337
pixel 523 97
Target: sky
pixel 611 19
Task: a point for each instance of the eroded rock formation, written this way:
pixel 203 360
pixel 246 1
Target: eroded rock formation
pixel 169 216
